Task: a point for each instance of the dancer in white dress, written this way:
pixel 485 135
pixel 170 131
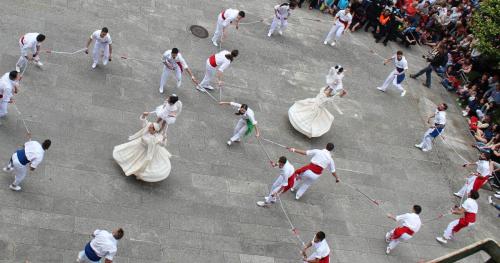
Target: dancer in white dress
pixel 310 116
pixel 144 155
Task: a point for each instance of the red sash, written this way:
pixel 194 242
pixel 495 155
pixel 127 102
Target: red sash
pixel 222 15
pixel 311 166
pixel 399 231
pixel 180 66
pixel 479 182
pixel 325 259
pixel 468 218
pixel 343 22
pixel 211 60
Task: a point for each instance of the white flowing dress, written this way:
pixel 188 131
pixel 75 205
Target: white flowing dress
pixel 144 156
pixel 310 116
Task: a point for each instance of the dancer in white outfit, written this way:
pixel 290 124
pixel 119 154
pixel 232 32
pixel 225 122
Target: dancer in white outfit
pixel 9 85
pixel 246 123
pixel 409 224
pixel 173 61
pixel 281 14
pixel 341 23
pixel 308 174
pixel 30 156
pixel 397 76
pixel 215 66
pixel 29 43
pixel 102 245
pixel 477 179
pixel 167 113
pixel 435 130
pixel 144 155
pixel 321 252
pixel 226 18
pixel 280 184
pixel 102 45
pixel 310 116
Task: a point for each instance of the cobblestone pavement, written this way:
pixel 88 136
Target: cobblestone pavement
pixel 205 211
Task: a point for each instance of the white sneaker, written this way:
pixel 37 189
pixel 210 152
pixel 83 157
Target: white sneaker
pixel 105 62
pixel 497 196
pixel 464 113
pixel 418 146
pixel 441 240
pixel 161 89
pixel 457 195
pixel 403 93
pixel 7 169
pixel 15 187
pixel 490 201
pixel 387 250
pixel 425 150
pixel 215 43
pixel 269 34
pixel 178 84
pixel 38 63
pixel 198 87
pixel 332 44
pixel 18 69
pixel 262 204
pixel 326 42
pixel 379 88
pixel 292 189
pixel 280 32
pixel 94 65
pixel 209 87
pixel 229 143
pixel 297 197
pixel 388 237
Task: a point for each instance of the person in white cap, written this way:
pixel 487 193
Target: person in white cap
pixel 436 129
pixel 280 184
pixel 281 14
pixel 173 61
pixel 246 124
pixel 396 76
pixel 409 224
pixel 29 44
pixel 102 44
pixel 9 85
pixel 226 18
pixel 341 23
pixel 321 252
pixel 102 245
pixel 30 156
pixel 215 66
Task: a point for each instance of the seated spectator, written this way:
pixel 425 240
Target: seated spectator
pixel 358 18
pixel 382 25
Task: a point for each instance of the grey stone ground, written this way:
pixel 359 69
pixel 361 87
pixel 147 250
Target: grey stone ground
pixel 205 211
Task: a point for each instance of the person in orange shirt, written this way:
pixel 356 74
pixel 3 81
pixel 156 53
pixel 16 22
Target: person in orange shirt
pixel 383 23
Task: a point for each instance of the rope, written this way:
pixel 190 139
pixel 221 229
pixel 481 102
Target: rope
pixel 205 91
pixel 67 53
pixel 257 21
pixel 138 59
pixel 376 202
pixel 14 104
pixel 275 143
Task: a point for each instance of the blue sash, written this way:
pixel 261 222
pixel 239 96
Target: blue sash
pixel 21 155
pixel 436 132
pixel 400 78
pixel 90 253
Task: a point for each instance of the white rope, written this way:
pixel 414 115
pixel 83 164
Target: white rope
pixel 203 90
pixel 138 59
pixel 294 229
pixel 257 21
pixel 67 53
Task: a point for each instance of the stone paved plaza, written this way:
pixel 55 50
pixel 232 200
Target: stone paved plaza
pixel 205 211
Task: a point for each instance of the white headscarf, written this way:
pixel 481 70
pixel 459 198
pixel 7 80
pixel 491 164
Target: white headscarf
pixel 334 78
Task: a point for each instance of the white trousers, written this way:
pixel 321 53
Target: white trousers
pixel 98 48
pixel 274 188
pixel 3 108
pixel 23 61
pixel 82 258
pixel 219 28
pixel 426 143
pixel 392 79
pixel 469 183
pixel 209 75
pixel 239 130
pixel 336 31
pixel 278 21
pixel 166 73
pixel 20 171
pixel 448 232
pixel 307 179
pixel 394 243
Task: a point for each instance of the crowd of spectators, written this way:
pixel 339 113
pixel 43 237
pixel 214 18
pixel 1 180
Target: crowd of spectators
pixel 445 27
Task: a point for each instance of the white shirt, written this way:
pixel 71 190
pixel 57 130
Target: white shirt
pixel 283 10
pixel 249 115
pixel 6 87
pixel 221 61
pixel 163 111
pixel 102 40
pixel 322 158
pixel 34 153
pixel 341 15
pixel 167 57
pixel 29 42
pixel 104 244
pixel 285 173
pixel 410 220
pixel 470 206
pixel 400 63
pixel 321 249
pixel 440 117
pixel 483 167
pixel 230 15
